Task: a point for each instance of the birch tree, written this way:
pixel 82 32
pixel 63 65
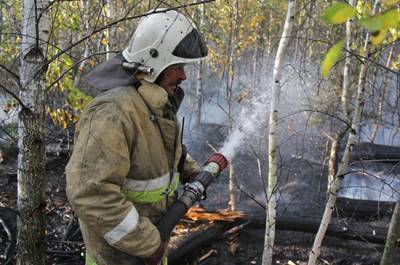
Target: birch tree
pixel 392 237
pixel 347 65
pixel 199 79
pixel 31 239
pixel 273 140
pixel 230 76
pixel 337 137
pixel 354 132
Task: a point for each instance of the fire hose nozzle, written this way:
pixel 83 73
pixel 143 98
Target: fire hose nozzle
pixel 218 159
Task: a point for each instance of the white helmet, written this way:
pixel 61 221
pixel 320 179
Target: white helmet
pixel 163 39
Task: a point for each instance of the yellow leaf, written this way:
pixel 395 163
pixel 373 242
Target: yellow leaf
pixel 64 124
pixel 339 13
pixel 331 58
pixel 391 18
pixel 378 36
pixel 104 41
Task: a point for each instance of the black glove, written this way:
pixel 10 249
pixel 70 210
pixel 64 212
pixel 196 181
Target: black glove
pixel 157 256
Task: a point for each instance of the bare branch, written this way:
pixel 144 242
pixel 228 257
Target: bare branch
pixel 14 96
pixel 74 65
pixel 126 18
pixel 318 111
pixel 10 72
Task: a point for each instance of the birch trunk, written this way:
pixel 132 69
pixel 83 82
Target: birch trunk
pixel 346 71
pixel 229 95
pixel 199 80
pixel 31 239
pixel 333 156
pixel 273 140
pixel 326 218
pixel 108 32
pixel 392 237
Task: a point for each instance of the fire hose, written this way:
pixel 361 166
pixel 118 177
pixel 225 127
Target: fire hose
pixel 193 192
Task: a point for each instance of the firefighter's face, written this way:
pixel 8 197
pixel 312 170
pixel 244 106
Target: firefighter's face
pixel 172 77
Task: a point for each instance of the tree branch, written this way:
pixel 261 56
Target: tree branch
pixel 14 96
pixel 10 72
pixel 318 111
pixel 74 65
pixel 117 22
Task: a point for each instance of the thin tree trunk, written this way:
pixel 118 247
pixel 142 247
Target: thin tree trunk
pixel 229 95
pixel 232 196
pixel 382 96
pixel 269 38
pixel 392 237
pixel 199 92
pixel 1 23
pixel 254 67
pixel 81 68
pixel 108 32
pixel 346 71
pixel 381 105
pixel 326 218
pixel 273 139
pixel 31 239
pixel 199 80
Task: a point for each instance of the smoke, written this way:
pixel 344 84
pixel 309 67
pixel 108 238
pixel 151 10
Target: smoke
pixel 372 181
pixel 250 120
pixel 233 142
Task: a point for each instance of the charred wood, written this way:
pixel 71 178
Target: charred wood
pixel 369 151
pixel 363 209
pixel 341 229
pixel 349 230
pixel 194 242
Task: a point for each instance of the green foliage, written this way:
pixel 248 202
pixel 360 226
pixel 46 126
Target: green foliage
pixel 386 20
pixel 379 25
pixel 396 63
pixel 331 58
pixel 77 100
pixel 338 13
pixel 10 42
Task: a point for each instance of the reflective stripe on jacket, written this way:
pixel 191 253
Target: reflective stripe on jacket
pixel 153 190
pixel 118 179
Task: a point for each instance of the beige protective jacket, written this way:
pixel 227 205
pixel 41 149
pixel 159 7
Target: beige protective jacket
pixel 118 175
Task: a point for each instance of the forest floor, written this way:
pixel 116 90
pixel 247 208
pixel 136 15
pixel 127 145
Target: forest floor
pixel 65 244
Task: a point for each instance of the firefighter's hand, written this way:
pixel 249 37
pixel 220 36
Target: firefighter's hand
pixel 157 256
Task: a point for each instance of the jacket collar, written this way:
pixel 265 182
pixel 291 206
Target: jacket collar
pixel 155 96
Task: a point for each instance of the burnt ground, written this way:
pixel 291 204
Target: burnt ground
pixel 65 244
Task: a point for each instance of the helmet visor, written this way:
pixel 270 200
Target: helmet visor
pixel 192 46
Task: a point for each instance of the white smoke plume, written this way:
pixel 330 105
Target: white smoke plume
pixel 249 121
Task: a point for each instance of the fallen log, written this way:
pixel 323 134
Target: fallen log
pixel 194 242
pixel 369 151
pixel 349 230
pixel 357 231
pixel 363 209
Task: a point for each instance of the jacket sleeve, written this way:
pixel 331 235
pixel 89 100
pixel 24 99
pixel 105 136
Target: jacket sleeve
pixel 190 169
pixel 95 174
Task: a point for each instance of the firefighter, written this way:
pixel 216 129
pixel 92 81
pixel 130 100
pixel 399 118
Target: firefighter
pixel 128 158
